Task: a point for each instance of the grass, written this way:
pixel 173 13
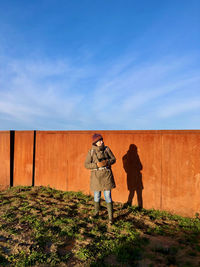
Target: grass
pixel 41 226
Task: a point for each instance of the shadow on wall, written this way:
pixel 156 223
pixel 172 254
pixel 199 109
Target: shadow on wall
pixel 133 166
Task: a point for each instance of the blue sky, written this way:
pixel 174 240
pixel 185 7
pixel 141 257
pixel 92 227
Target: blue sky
pixel 99 64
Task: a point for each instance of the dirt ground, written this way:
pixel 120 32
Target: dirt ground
pixel 46 227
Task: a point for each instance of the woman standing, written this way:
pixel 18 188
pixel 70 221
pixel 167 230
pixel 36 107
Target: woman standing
pixel 99 160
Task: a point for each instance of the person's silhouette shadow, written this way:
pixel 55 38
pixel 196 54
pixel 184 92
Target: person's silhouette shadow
pixel 133 166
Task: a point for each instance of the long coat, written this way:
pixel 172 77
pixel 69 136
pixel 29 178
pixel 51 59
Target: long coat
pixel 100 180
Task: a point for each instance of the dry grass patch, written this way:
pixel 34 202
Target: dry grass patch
pixel 41 226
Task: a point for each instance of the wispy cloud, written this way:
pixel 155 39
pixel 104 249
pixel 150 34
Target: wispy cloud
pixel 122 94
pixel 38 91
pixel 173 109
pixel 136 96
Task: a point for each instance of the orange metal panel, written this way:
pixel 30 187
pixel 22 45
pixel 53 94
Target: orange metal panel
pixel 23 158
pixel 125 132
pixel 4 160
pixel 161 166
pixel 51 159
pixel 181 173
pixel 78 175
pixel 143 160
pixel 137 169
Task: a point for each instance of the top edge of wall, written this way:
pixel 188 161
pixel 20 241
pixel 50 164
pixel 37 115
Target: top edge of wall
pixel 108 131
pixel 122 132
pixel 3 132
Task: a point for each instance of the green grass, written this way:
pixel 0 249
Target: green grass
pixel 41 225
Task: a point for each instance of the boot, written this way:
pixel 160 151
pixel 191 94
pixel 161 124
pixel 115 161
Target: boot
pixel 110 212
pixel 96 209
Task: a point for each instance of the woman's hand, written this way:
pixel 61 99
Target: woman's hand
pixel 103 163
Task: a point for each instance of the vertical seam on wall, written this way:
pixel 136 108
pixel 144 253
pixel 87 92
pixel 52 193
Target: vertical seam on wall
pixel 34 144
pixel 12 146
pixel 161 174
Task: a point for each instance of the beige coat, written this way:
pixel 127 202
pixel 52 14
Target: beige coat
pixel 100 180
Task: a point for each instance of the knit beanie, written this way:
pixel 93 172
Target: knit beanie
pixel 96 137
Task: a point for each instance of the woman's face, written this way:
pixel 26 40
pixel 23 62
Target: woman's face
pixel 99 143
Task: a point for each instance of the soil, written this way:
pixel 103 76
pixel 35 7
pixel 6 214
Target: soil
pixel 31 220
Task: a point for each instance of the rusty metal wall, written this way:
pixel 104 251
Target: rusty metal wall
pixel 156 169
pixel 78 177
pixel 23 158
pixel 181 173
pixel 137 170
pixel 51 159
pixel 4 160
